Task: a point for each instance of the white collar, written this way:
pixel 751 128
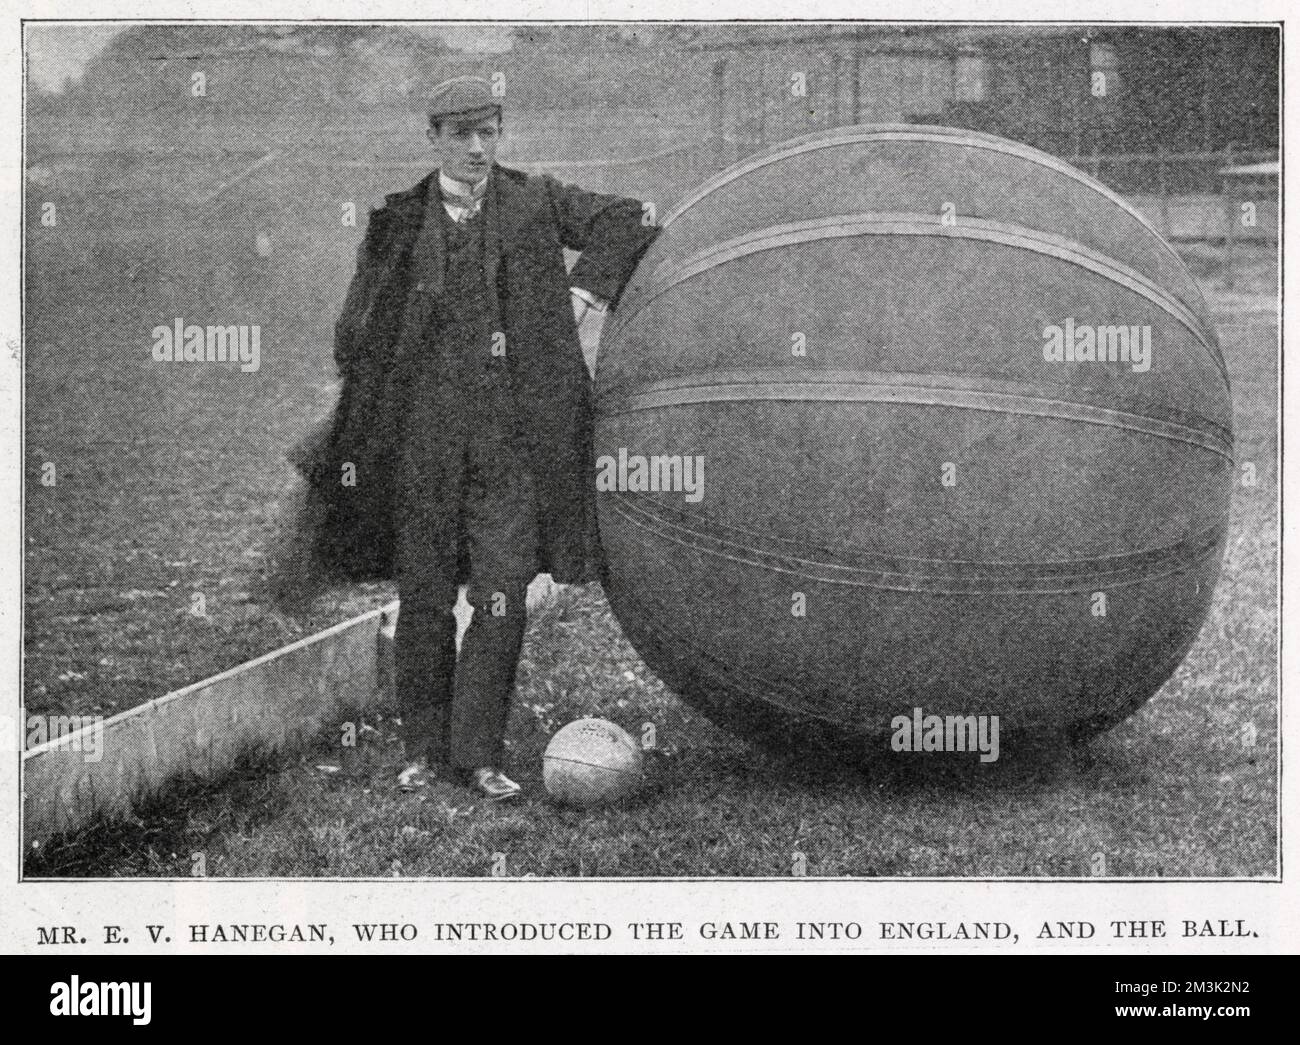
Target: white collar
pixel 460 188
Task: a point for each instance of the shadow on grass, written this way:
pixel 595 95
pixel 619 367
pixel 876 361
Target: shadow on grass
pixel 1024 770
pixel 159 837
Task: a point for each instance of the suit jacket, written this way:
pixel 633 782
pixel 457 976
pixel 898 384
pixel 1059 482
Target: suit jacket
pixel 385 319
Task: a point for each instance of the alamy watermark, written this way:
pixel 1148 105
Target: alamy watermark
pixel 1071 342
pixel 75 997
pixel 183 342
pixel 921 732
pixel 658 473
pixel 84 733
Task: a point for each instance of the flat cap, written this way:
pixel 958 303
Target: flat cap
pixel 468 97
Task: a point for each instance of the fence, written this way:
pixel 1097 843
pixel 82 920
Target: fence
pixel 1195 195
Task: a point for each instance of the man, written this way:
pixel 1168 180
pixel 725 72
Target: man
pixel 461 446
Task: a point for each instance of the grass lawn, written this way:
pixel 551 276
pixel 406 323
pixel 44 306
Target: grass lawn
pixel 168 481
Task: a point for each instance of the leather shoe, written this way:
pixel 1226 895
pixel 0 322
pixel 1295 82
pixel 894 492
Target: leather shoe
pixel 493 784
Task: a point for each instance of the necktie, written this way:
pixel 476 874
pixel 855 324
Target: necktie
pixel 469 205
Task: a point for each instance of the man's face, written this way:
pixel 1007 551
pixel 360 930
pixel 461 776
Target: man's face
pixel 466 149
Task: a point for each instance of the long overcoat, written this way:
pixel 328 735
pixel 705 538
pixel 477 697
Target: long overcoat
pixel 351 459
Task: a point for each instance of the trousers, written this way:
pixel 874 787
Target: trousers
pixel 466 489
pixel 454 710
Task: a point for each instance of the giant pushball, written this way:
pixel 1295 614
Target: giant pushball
pixel 918 489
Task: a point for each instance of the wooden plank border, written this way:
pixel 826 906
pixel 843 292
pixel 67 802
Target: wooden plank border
pixel 279 701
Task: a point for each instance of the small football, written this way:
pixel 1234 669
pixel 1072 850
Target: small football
pixel 591 762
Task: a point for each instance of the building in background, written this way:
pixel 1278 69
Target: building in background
pixel 649 110
pixel 1072 91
